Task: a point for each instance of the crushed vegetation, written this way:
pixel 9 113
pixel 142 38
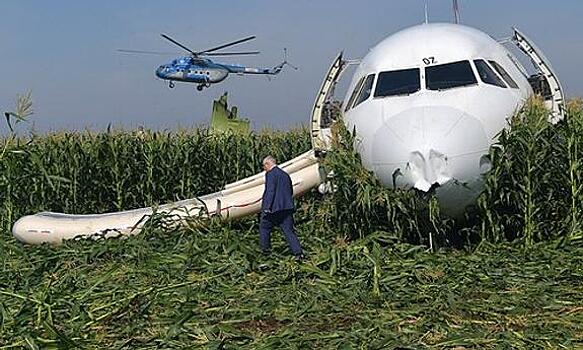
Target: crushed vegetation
pixel 210 288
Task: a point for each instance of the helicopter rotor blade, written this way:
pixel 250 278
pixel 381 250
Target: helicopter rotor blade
pixel 146 52
pixel 179 44
pixel 228 44
pixel 230 53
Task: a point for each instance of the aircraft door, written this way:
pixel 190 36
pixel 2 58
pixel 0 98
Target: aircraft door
pixel 546 82
pixel 323 107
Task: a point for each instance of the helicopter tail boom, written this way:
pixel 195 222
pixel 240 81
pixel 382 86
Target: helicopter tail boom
pixel 253 70
pixel 265 71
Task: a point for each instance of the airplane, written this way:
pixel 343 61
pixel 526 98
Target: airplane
pixel 428 102
pixel 199 69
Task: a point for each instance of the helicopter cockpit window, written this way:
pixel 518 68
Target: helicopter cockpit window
pixel 487 74
pixel 504 74
pixel 354 93
pixel 450 75
pixel 365 91
pixel 398 82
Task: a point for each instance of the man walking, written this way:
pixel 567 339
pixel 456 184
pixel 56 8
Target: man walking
pixel 277 208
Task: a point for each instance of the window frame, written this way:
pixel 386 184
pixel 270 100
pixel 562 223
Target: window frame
pixel 504 74
pixel 475 82
pixel 378 81
pixel 354 94
pixel 358 100
pixel 501 83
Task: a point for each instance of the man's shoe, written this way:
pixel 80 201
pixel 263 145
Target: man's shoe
pixel 300 258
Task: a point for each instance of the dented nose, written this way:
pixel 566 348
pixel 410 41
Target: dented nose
pixel 427 146
pixel 428 168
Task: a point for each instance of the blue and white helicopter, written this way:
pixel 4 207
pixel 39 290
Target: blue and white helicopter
pixel 197 68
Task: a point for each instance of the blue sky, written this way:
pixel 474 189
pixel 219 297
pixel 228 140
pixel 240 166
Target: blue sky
pixel 65 52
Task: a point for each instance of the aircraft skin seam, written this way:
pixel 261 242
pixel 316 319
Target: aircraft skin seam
pixel 484 151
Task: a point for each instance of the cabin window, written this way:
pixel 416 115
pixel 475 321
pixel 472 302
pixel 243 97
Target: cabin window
pixel 398 82
pixel 354 94
pixel 504 74
pixel 365 91
pixel 450 75
pixel 487 74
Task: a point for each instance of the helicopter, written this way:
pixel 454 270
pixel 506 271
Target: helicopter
pixel 197 68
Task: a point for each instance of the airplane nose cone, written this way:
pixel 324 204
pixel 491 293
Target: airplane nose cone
pixel 426 146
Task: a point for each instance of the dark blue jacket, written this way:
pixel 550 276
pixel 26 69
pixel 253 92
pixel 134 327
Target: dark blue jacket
pixel 278 194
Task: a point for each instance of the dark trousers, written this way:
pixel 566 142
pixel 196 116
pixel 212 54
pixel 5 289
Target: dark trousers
pixel 285 220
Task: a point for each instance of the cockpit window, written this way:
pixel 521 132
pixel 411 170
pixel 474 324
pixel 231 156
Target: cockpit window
pixel 487 74
pixel 450 75
pixel 398 82
pixel 354 94
pixel 365 91
pixel 504 74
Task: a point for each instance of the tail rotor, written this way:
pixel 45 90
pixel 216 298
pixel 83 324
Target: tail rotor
pixel 285 62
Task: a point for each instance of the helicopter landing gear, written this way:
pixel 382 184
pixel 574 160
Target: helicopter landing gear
pixel 171 85
pixel 201 86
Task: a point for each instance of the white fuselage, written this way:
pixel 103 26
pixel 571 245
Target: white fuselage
pixel 421 121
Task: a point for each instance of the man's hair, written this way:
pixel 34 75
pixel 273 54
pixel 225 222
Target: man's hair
pixel 269 159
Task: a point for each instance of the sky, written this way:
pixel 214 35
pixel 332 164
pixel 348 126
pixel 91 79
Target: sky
pixel 65 52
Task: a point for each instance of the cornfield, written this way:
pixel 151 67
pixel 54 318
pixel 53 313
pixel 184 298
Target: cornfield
pixel 385 269
pixel 94 173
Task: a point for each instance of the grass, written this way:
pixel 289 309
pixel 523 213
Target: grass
pixel 208 288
